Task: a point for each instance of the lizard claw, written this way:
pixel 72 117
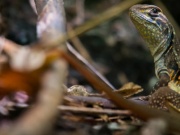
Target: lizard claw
pixel 163 81
pixel 160 83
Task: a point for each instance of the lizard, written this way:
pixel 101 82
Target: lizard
pixel 160 36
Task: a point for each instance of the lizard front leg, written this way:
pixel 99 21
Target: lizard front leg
pixel 162 73
pixel 176 51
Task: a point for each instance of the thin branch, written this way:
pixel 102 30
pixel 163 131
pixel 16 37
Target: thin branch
pixel 87 65
pixel 79 46
pixel 103 102
pixel 93 111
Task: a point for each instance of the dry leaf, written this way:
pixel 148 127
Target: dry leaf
pixel 12 81
pixel 174 86
pixel 77 90
pixel 129 89
pixel 104 118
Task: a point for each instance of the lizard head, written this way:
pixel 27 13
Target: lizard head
pixel 153 26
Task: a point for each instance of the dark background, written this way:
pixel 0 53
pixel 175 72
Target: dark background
pixel 115 46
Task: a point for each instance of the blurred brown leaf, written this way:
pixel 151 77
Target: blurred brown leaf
pixel 12 81
pixel 129 89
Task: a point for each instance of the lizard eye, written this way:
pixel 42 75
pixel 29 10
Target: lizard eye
pixel 154 12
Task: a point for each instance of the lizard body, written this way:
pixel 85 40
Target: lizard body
pixel 160 36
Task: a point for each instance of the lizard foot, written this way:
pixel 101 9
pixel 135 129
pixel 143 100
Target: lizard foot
pixel 162 82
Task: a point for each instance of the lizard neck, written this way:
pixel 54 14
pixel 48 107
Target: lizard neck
pixel 161 48
pixel 176 48
pixel 163 44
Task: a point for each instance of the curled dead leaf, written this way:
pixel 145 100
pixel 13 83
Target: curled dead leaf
pixel 77 90
pixel 129 89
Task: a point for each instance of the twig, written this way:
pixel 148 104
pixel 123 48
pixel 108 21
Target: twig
pixel 87 65
pixel 79 46
pixel 93 111
pixel 103 102
pixel 80 13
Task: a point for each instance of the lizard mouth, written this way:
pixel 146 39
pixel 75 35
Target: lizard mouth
pixel 140 18
pixel 143 17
